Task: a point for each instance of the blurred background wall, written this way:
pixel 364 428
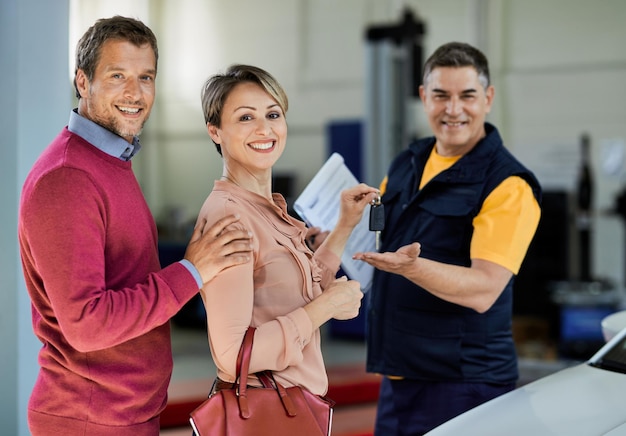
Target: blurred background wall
pixel 559 69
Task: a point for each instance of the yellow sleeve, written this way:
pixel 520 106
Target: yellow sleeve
pixel 383 185
pixel 506 224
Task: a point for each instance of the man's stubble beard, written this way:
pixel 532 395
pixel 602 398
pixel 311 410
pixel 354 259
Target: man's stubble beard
pixel 112 124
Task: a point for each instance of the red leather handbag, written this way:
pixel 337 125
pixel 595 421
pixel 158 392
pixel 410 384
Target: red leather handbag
pixel 268 410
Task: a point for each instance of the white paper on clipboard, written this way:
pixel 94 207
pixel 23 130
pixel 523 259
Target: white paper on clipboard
pixel 319 205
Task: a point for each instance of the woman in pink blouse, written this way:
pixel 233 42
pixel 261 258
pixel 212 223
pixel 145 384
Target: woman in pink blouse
pixel 287 292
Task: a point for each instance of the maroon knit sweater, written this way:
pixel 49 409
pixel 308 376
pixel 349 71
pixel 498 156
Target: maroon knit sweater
pixel 100 302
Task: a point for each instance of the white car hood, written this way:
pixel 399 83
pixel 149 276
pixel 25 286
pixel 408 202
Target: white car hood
pixel 581 400
pixel 618 431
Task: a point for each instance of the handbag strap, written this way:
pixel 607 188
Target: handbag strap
pixel 243 366
pixel 245 351
pixel 268 380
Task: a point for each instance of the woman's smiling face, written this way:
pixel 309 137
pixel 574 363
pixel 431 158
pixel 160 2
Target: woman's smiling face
pixel 253 129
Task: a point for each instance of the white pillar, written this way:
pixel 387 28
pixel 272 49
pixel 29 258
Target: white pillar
pixel 36 100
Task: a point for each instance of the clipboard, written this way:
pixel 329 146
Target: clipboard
pixel 318 205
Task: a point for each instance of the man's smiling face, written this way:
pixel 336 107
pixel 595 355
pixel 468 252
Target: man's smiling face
pixel 456 104
pixel 120 95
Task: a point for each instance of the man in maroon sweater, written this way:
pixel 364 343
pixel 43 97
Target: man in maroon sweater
pixel 100 300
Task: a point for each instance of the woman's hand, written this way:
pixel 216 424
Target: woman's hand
pixel 341 300
pixel 353 203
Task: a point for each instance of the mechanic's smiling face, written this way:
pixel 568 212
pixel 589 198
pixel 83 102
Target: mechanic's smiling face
pixel 456 104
